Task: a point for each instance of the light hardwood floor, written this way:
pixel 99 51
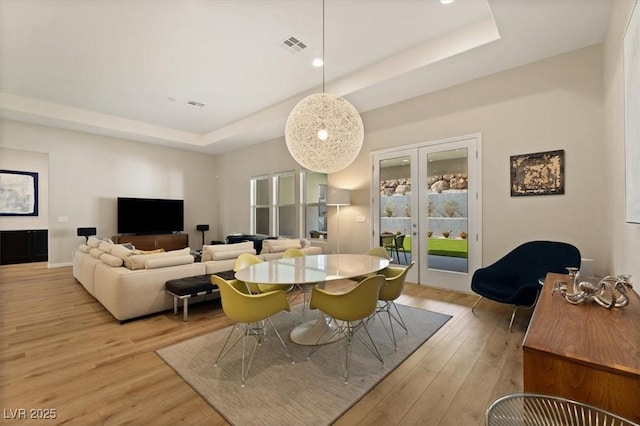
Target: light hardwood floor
pixel 62 350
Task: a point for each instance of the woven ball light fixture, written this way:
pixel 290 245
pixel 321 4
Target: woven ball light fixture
pixel 324 132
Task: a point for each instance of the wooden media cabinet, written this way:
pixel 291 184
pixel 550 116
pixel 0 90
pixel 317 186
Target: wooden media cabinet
pixel 153 242
pixel 585 352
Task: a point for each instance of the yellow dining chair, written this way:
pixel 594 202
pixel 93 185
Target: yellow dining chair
pixel 288 254
pixel 392 289
pixel 378 252
pixel 247 259
pixel 243 261
pixel 292 252
pixel 252 313
pixel 349 311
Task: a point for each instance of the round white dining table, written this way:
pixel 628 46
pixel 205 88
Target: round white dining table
pixel 310 271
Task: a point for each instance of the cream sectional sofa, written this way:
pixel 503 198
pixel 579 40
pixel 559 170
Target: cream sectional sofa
pixel 130 284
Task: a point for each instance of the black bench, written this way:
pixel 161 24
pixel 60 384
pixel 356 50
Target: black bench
pixel 188 287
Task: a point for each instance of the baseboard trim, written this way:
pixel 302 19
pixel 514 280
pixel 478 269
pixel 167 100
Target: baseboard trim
pixel 59 265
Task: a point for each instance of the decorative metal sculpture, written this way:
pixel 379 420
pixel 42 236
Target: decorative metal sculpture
pixel 610 292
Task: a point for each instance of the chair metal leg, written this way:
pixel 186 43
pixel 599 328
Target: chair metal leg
pixel 245 372
pixel 370 345
pixel 391 317
pixel 258 331
pixel 476 304
pixel 226 347
pixel 350 331
pixel 398 317
pixel 513 316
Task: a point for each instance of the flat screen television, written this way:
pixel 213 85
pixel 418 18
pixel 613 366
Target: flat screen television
pixel 150 216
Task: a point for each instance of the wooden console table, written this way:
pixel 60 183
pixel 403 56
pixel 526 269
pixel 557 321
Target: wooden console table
pixel 152 242
pixel 584 352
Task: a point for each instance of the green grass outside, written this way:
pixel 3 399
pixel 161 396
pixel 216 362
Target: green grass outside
pixel 448 247
pixel 442 246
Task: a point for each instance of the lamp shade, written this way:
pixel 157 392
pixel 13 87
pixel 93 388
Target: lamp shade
pixel 202 227
pixel 338 197
pixel 324 133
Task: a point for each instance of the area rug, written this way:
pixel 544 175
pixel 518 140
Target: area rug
pixel 309 392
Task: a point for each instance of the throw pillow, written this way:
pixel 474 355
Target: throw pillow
pixel 111 260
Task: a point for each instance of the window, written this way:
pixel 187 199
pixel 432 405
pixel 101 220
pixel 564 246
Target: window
pixel 260 205
pixel 274 205
pixel 315 204
pixel 285 185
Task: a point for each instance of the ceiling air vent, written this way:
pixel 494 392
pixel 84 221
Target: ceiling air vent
pixel 292 45
pixel 195 104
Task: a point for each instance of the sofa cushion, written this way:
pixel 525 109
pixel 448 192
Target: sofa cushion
pixel 121 251
pixel 96 252
pixel 105 246
pixel 111 260
pixel 93 242
pixel 84 248
pixel 163 262
pixel 226 251
pixel 230 254
pixel 279 246
pixel 138 251
pixel 138 261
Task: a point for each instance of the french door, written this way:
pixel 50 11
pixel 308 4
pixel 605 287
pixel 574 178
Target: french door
pixel 427 209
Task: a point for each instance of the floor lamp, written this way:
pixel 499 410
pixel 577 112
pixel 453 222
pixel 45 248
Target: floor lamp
pixel 338 197
pixel 202 228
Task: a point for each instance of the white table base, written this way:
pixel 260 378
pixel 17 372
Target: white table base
pixel 309 332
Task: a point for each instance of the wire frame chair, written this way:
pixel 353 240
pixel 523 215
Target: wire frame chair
pixel 544 410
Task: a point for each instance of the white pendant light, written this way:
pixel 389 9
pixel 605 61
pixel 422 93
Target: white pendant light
pixel 324 132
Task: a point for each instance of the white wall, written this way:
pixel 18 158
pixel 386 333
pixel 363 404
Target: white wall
pixel 623 238
pixel 87 173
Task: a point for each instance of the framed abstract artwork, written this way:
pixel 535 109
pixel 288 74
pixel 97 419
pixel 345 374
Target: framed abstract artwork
pixel 18 193
pixel 541 173
pixel 632 116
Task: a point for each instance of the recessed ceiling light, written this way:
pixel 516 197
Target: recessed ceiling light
pixel 317 62
pixel 446 1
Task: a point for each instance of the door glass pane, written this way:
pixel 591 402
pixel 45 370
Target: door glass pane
pixel 447 222
pixel 395 208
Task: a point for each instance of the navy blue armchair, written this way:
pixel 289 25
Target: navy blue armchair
pixel 514 278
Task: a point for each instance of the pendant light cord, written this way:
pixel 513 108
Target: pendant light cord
pixel 324 63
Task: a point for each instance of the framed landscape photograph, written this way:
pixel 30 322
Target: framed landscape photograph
pixel 541 173
pixel 18 193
